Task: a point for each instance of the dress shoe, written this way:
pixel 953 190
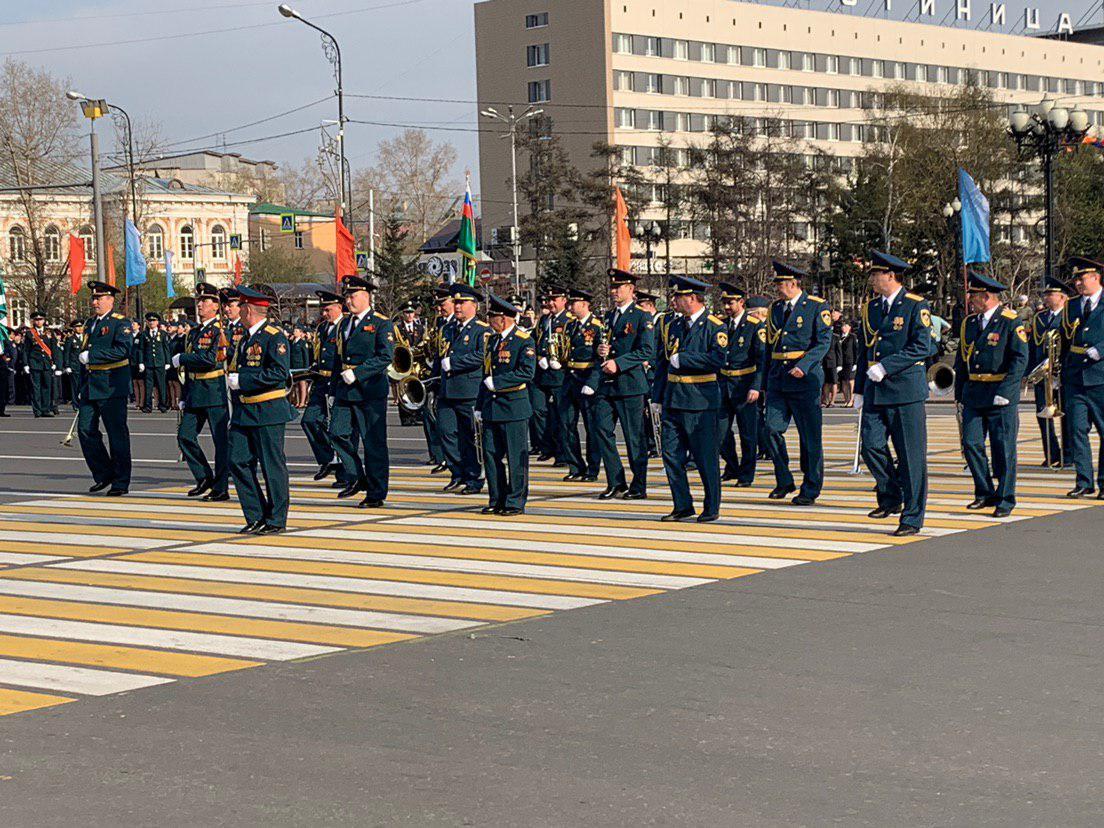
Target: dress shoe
pixel 200 488
pixel 630 495
pixel 99 487
pixel 882 513
pixel 1002 512
pixel 979 503
pixel 906 531
pixel 323 472
pixel 439 468
pixel 265 529
pixel 613 491
pixel 728 476
pixel 490 510
pixel 572 478
pixel 352 489
pixel 4 414
pixel 543 458
pixel 559 464
pixel 589 478
pixel 802 500
pixel 115 492
pixel 370 503
pixel 704 518
pixel 653 455
pixel 216 497
pixel 781 492
pixel 510 511
pixel 251 527
pixel 1078 492
pixel 471 489
pixel 743 484
pixel 1101 495
pixel 453 485
pixel 676 515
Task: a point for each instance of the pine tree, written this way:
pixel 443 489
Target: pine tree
pixel 397 272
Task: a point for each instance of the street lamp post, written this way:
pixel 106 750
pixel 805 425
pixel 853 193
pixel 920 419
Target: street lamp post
pixel 93 109
pixel 650 232
pixel 952 212
pixel 512 122
pixel 333 53
pixel 1044 133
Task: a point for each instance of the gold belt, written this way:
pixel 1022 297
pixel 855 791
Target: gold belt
pixel 738 372
pixel 265 396
pixel 580 365
pixel 780 355
pixel 110 366
pixel 1078 349
pixel 325 373
pixel 510 389
pixel 691 379
pixel 987 377
pixel 207 375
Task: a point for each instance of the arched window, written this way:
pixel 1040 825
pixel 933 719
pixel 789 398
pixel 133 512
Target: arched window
pixel 187 242
pixel 17 244
pixel 89 239
pixel 155 242
pixel 52 243
pixel 20 313
pixel 218 242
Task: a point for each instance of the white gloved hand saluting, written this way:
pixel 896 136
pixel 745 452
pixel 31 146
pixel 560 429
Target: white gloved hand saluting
pixel 348 376
pixel 876 373
pixel 587 391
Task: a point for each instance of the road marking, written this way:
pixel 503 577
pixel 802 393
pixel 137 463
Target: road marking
pixel 73 679
pixel 19 701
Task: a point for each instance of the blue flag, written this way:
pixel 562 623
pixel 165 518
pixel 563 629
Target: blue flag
pixel 170 288
pixel 135 261
pixel 975 220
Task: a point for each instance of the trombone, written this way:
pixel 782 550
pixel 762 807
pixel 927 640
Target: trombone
pixel 1047 372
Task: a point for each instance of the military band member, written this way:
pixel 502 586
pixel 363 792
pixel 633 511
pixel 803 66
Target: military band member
pixel 202 367
pixel 365 348
pixel 232 326
pixel 409 331
pixel 316 416
pixel 647 303
pixel 1046 323
pixel 623 389
pixel 503 408
pixel 442 297
pixel 137 376
pixel 576 398
pixel 1083 373
pixel 154 354
pixel 461 374
pixel 989 367
pixel 70 360
pixel 105 387
pixel 548 385
pixel 891 387
pixel 40 361
pixel 261 412
pixel 741 381
pixel 799 334
pixel 697 345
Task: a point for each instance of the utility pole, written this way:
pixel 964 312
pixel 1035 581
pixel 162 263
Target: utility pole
pixel 93 110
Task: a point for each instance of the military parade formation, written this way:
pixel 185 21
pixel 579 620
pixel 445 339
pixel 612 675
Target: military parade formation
pixel 710 394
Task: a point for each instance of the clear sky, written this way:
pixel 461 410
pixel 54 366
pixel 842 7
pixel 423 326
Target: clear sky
pixel 171 62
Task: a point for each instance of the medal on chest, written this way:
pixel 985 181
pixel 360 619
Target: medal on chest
pixel 993 338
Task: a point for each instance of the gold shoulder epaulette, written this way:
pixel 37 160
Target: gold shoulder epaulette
pixel 271 329
pixel 520 334
pixel 216 324
pixel 915 297
pixel 378 315
pixel 481 323
pixel 596 322
pixel 816 299
pixel 1008 313
pixel 116 316
pixel 715 320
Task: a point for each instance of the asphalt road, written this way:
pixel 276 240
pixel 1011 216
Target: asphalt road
pixel 956 681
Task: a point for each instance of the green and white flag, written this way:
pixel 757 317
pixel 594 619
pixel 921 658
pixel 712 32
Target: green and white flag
pixel 3 309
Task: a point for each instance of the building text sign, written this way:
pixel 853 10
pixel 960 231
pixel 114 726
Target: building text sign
pixel 995 14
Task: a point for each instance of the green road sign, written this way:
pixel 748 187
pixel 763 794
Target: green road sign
pixel 287 222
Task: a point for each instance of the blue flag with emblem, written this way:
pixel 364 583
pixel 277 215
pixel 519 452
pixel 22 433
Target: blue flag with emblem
pixel 975 220
pixel 135 261
pixel 170 288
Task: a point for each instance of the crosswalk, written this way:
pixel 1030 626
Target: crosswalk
pixel 100 597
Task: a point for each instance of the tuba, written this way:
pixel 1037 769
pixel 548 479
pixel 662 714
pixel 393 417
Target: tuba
pixel 941 380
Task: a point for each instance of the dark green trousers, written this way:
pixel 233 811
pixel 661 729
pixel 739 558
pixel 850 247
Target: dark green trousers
pixel 538 423
pixel 368 422
pixel 506 461
pixel 156 379
pixel 1085 411
pixel 692 434
pixel 255 451
pixel 107 466
pixel 456 421
pixel 217 420
pixel 629 412
pixel 1002 425
pixel 804 410
pixel 904 482
pixel 572 405
pixel 42 392
pixel 432 429
pixel 316 425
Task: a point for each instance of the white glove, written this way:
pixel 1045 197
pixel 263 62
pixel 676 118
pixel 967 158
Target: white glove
pixel 876 372
pixel 141 367
pixel 478 416
pixel 446 364
pixel 543 363
pixel 232 381
pixel 68 370
pixel 83 357
pixel 489 382
pixel 26 369
pixel 176 361
pixel 674 360
pixel 857 399
pixel 554 364
pixel 180 405
pixel 588 391
pixel 1093 354
pixel 57 372
pixel 329 402
pixel 1000 402
pixel 348 376
pixel 166 367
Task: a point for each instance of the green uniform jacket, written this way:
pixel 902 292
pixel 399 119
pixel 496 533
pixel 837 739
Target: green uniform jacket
pixel 583 363
pixel 154 349
pixel 465 354
pixel 511 362
pixel 33 354
pixel 1078 335
pixel 743 369
pixel 367 349
pixel 548 328
pixel 202 364
pixel 109 344
pixel 234 332
pixel 801 342
pixel 702 351
pixel 71 355
pixel 632 341
pixel 992 362
pixel 300 355
pixel 901 341
pixel 325 352
pixel 264 377
pixel 660 355
pixel 1041 323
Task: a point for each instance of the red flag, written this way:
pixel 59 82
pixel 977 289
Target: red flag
pixel 111 265
pixel 76 263
pixel 237 271
pixel 621 228
pixel 345 251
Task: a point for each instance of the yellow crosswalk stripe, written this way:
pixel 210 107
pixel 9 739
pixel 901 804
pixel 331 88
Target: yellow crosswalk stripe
pixel 19 701
pixel 211 517
pixel 61 549
pixel 118 657
pixel 169 536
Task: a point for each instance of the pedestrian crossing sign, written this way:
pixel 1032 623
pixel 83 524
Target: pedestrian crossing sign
pixel 362 261
pixel 235 241
pixel 287 222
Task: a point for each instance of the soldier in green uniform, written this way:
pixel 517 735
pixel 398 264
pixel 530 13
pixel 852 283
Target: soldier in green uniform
pixel 105 387
pixel 40 361
pixel 623 388
pixel 442 297
pixel 232 327
pixel 503 409
pixel 1045 324
pixel 1083 372
pixel 891 388
pixel 697 345
pixel 364 350
pixel 799 334
pixel 647 303
pixel 741 381
pixel 548 384
pixel 316 416
pixel 585 332
pixel 70 360
pixel 261 412
pixel 461 367
pixel 154 353
pixel 201 366
pixel 989 366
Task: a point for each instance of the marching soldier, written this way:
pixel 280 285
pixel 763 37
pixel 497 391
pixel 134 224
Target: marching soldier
pixel 105 387
pixel 799 334
pixel 891 388
pixel 1083 372
pixel 547 386
pixel 409 331
pixel 178 335
pixel 316 416
pixel 40 361
pixel 232 326
pixel 989 367
pixel 576 399
pixel 459 387
pixel 155 352
pixel 442 296
pixel 70 362
pixel 503 409
pixel 1045 324
pixel 201 365
pixel 300 364
pixel 623 391
pixel 697 345
pixel 647 303
pixel 261 412
pixel 137 380
pixel 741 381
pixel 365 348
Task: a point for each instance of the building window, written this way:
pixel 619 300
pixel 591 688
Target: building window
pixel 218 242
pixel 536 21
pixel 831 64
pixel 854 66
pixel 89 240
pixel 652 47
pixel 681 50
pixel 626 118
pixel 51 242
pixel 20 313
pixel 537 55
pixel 654 120
pixel 155 241
pixel 540 91
pixel 709 88
pixel 808 62
pixel 681 85
pixel 298 239
pixel 622 44
pixel 877 69
pixel 653 83
pixel 17 244
pixel 734 55
pixel 623 81
pixel 833 132
pixel 784 60
pixel 708 53
pixel 187 242
pixel 759 58
pixel 264 239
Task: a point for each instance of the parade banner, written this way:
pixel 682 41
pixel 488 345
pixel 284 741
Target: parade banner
pixel 3 308
pixel 975 220
pixel 76 263
pixel 621 228
pixel 465 243
pixel 136 268
pixel 345 252
pixel 170 288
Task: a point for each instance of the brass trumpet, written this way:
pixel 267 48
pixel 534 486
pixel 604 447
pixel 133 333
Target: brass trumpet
pixel 1047 372
pixel 941 380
